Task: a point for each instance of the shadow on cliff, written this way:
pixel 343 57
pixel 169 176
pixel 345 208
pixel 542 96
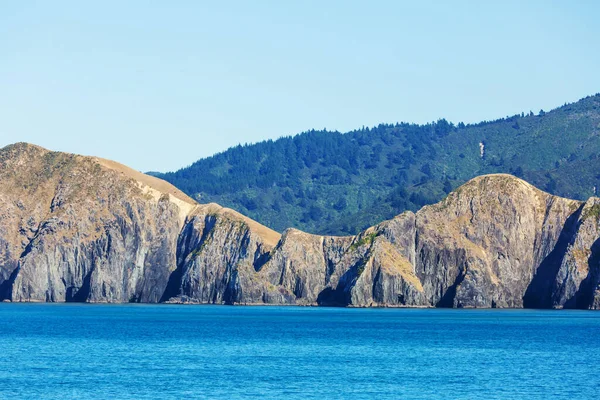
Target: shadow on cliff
pixel 330 297
pixel 341 295
pixel 584 297
pixel 539 291
pixel 6 287
pixel 187 240
pixel 173 285
pixel 447 300
pixel 7 284
pixel 81 295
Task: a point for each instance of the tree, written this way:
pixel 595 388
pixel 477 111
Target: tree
pixel 447 186
pixel 341 204
pixel 249 202
pixel 426 169
pixel 315 213
pixel 276 206
pixel 518 172
pixel 287 196
pixel 325 168
pixel 550 186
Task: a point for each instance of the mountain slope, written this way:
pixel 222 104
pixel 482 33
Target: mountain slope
pixel 332 183
pixel 76 228
pixel 84 229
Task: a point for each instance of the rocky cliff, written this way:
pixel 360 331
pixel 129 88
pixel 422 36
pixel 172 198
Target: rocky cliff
pixel 76 228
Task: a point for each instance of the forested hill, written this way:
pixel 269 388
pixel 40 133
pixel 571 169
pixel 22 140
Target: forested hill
pixel 332 183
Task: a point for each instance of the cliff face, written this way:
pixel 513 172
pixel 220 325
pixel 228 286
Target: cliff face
pixel 76 228
pixel 219 254
pixel 483 245
pixel 576 277
pixel 83 229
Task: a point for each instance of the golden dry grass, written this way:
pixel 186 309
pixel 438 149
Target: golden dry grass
pixel 394 263
pixel 151 181
pixel 269 236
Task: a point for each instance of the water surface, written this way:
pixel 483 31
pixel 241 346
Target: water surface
pixel 83 351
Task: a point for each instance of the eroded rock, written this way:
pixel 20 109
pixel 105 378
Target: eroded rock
pixel 76 228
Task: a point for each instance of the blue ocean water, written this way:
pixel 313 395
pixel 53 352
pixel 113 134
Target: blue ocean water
pixel 83 351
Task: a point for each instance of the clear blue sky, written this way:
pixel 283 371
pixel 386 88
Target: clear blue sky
pixel 159 84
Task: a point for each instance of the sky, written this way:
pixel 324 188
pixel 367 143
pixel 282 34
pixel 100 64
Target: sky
pixel 157 85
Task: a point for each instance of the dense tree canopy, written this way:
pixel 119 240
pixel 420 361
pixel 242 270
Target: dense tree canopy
pixel 329 182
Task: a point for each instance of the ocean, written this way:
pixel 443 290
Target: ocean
pixel 132 351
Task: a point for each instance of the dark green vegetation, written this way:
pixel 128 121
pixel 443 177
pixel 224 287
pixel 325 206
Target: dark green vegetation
pixel 333 183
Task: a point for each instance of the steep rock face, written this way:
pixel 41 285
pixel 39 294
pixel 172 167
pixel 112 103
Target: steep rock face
pixel 482 245
pixel 308 266
pixel 576 283
pixel 76 228
pixel 365 270
pixel 83 229
pixel 386 277
pixel 219 255
pixel 495 242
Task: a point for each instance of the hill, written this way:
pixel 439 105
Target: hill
pixel 76 228
pixel 333 183
pixel 84 229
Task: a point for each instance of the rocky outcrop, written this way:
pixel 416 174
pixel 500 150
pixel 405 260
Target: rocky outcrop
pixel 76 228
pixel 82 231
pixel 483 245
pixel 219 256
pixel 575 282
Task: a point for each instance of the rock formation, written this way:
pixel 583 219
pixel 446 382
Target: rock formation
pixel 75 228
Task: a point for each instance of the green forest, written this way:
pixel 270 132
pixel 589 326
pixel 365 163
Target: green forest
pixel 340 183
